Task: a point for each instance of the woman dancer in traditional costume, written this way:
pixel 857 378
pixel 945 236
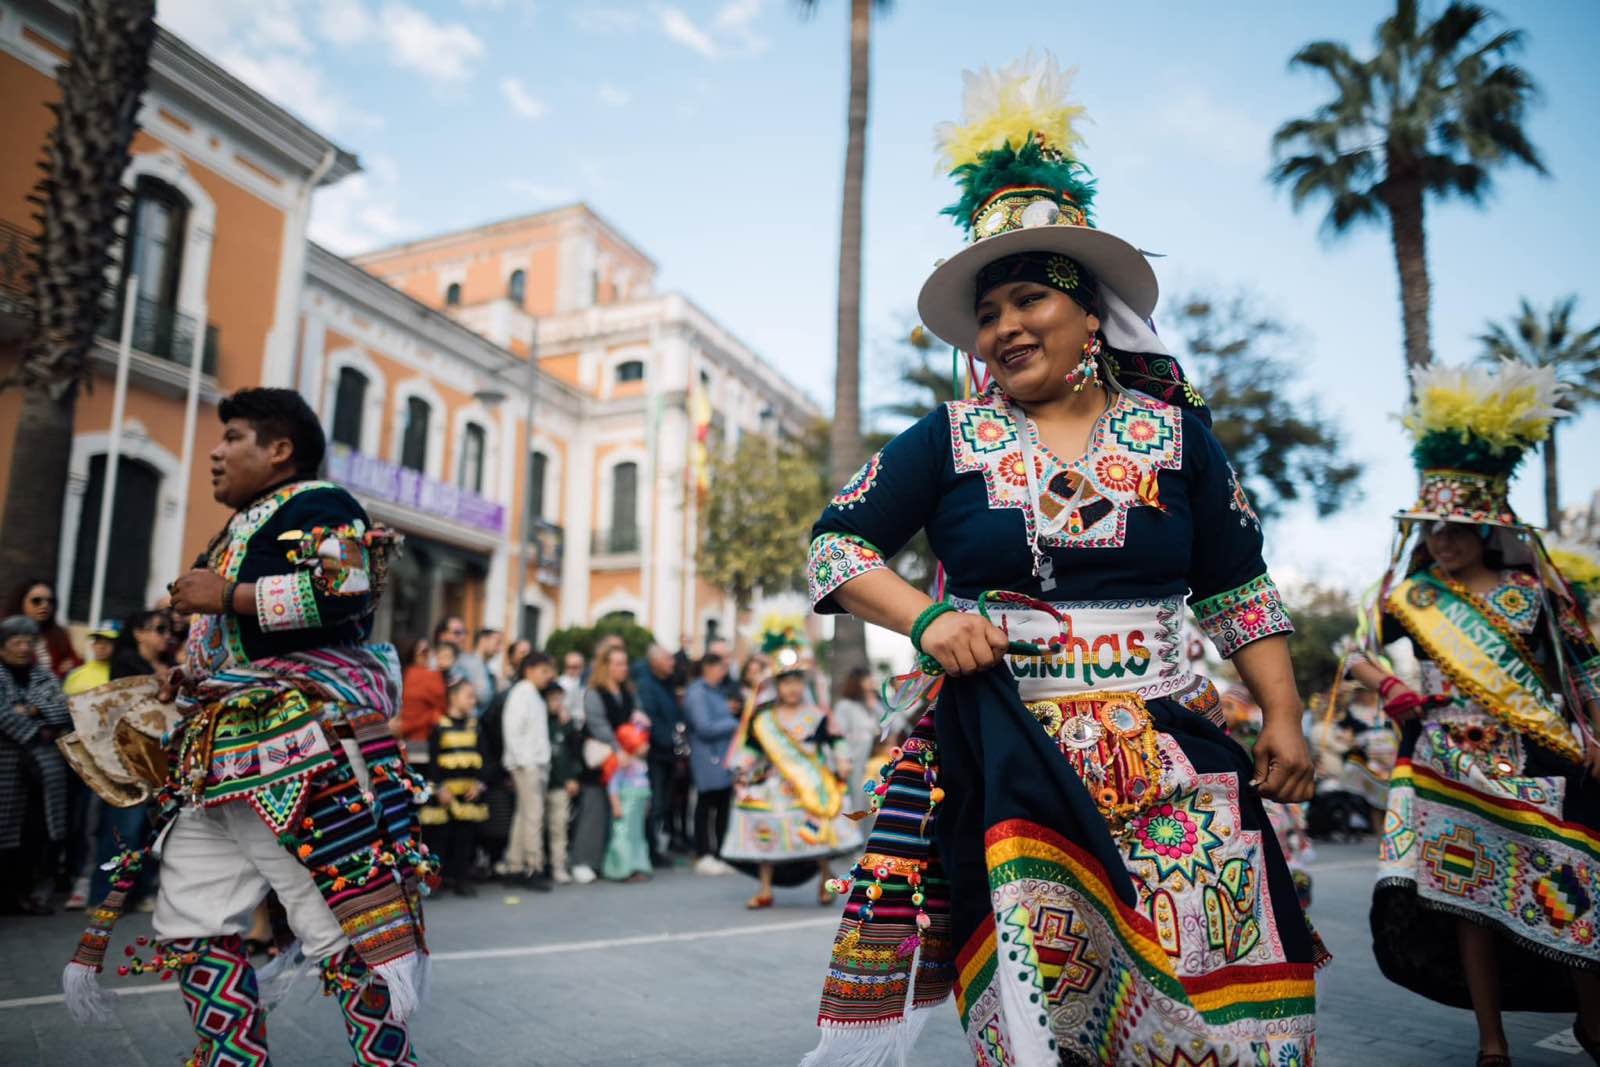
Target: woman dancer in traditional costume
pixel 790 768
pixel 1073 844
pixel 1489 864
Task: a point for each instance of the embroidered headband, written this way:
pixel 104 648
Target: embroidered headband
pixel 1053 269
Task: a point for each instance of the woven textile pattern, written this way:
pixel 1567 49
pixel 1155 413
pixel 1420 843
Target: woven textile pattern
pixel 375 1040
pixel 220 992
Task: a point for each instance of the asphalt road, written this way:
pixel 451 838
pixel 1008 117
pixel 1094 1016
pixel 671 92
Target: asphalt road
pixel 675 972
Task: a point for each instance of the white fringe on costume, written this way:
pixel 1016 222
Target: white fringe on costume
pixel 86 1001
pixel 282 974
pixel 869 1046
pixel 405 978
pixel 874 1046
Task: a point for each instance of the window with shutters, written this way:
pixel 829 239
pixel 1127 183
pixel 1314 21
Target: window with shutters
pixel 349 407
pixel 133 526
pixel 414 438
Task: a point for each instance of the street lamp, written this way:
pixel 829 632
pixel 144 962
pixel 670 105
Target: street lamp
pixel 492 398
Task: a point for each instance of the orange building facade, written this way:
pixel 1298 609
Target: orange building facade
pixel 221 183
pixel 416 357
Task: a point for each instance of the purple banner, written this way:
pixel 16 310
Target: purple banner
pixel 393 484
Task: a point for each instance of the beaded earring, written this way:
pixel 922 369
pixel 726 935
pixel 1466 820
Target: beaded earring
pixel 1087 372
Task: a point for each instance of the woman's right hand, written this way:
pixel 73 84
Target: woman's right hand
pixel 964 643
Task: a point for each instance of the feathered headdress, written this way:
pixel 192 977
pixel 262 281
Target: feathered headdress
pixel 1016 136
pixel 783 637
pixel 1580 566
pixel 1471 426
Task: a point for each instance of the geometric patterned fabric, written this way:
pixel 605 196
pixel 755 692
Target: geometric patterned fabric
pixel 375 1039
pixel 220 992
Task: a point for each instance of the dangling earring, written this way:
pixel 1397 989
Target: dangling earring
pixel 1087 372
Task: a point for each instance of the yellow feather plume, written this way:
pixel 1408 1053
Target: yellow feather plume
pixel 1578 565
pixel 1511 406
pixel 1026 96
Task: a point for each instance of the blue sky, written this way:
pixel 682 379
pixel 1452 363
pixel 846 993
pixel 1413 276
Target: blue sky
pixel 712 133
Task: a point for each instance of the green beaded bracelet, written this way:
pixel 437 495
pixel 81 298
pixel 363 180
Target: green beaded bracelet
pixel 929 613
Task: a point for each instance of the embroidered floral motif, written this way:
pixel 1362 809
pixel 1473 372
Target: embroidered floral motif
pixel 1240 504
pixel 1136 440
pixel 1516 598
pixel 835 559
pixel 1239 616
pixel 984 427
pixel 857 488
pixel 287 602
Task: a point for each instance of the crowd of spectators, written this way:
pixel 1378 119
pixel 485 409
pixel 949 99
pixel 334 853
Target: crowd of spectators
pixel 546 773
pixel 593 768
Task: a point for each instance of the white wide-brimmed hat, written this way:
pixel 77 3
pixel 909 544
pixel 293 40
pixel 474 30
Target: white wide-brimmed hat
pixel 1024 192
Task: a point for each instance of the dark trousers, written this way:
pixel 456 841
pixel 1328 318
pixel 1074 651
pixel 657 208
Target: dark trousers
pixel 660 822
pixel 454 843
pixel 711 810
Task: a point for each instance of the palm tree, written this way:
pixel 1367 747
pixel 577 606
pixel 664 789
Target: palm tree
pixel 845 449
pixel 1433 113
pixel 1551 340
pixel 81 201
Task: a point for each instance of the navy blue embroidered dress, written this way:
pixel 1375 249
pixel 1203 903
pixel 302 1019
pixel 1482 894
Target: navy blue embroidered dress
pixel 1107 886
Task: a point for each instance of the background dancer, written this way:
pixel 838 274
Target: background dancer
pixel 283 773
pixel 1489 863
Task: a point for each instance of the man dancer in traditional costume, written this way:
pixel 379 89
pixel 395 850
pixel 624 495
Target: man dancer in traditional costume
pixel 282 773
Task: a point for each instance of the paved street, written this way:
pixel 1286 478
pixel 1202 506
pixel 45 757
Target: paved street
pixel 674 973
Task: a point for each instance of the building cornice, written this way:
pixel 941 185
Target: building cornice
pixel 580 211
pixel 346 280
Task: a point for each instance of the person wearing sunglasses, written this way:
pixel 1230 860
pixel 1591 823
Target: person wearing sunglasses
pixel 35 599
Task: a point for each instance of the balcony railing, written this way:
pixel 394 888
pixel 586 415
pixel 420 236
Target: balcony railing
pixel 160 331
pixel 617 541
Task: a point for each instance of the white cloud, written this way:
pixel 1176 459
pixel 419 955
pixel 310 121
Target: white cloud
pixel 539 193
pixel 522 102
pixel 606 19
pixel 362 212
pixel 441 51
pixel 258 25
pixel 679 27
pixel 346 22
pixel 614 96
pixel 736 20
pixel 297 85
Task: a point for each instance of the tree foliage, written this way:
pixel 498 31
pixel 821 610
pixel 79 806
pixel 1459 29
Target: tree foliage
pixel 583 639
pixel 756 522
pixel 1551 339
pixel 1324 617
pixel 1283 448
pixel 1432 113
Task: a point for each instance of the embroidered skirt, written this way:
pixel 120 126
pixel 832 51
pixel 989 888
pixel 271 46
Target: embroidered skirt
pixel 1486 825
pixel 1101 890
pixel 768 825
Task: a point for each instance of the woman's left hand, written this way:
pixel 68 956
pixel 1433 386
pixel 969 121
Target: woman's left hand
pixel 1284 771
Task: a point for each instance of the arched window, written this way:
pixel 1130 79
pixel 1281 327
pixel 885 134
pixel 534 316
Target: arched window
pixel 155 241
pixel 349 405
pixel 133 522
pixel 469 472
pixel 538 466
pixel 625 507
pixel 630 370
pixel 517 287
pixel 414 439
pixel 452 295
